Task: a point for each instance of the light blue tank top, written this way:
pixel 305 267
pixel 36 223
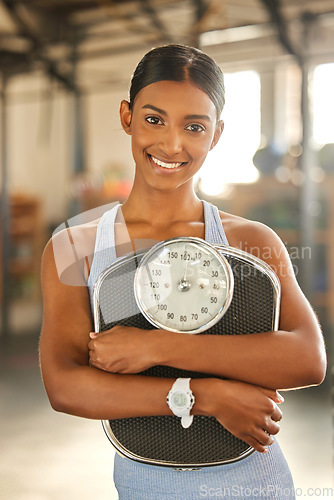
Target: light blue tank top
pixel 105 249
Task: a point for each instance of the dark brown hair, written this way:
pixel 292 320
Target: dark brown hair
pixel 180 63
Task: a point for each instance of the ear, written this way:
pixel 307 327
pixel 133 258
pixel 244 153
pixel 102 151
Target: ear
pixel 125 116
pixel 218 133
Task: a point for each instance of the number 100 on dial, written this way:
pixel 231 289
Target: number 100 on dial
pixel 183 285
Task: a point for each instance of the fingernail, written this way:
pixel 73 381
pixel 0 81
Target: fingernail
pixel 280 397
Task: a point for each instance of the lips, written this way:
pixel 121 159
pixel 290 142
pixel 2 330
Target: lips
pixel 163 164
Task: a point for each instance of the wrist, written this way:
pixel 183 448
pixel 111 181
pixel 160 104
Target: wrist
pixel 208 393
pixel 156 346
pixel 165 347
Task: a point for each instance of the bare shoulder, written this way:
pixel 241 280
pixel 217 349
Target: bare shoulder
pixel 70 250
pixel 243 233
pixel 254 237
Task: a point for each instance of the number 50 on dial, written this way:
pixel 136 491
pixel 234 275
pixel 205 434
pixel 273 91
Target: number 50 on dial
pixel 183 285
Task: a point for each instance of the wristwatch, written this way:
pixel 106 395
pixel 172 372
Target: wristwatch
pixel 180 400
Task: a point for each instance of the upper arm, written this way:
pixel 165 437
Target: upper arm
pixel 66 321
pixel 296 313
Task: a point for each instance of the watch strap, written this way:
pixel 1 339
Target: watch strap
pixel 186 421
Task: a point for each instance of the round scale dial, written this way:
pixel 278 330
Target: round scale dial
pixel 183 285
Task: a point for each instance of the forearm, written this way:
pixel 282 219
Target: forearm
pixel 87 392
pixel 278 360
pixel 249 412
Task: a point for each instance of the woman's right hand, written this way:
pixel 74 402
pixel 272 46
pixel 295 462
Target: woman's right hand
pixel 248 411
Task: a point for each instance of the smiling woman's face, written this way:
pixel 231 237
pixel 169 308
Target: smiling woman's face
pixel 173 126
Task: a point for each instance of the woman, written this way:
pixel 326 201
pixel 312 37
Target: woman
pixel 173 118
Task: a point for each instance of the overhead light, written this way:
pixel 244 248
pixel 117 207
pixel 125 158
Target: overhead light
pixel 238 34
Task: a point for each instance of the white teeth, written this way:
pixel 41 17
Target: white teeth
pixel 165 165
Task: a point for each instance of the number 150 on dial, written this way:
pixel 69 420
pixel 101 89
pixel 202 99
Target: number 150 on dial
pixel 183 285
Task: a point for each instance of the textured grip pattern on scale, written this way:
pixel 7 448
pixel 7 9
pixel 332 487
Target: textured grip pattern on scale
pixel 162 439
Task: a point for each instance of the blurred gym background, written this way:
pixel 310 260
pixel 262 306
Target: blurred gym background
pixel 65 65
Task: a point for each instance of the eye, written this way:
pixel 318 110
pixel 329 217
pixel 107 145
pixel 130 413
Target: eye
pixel 195 127
pixel 153 120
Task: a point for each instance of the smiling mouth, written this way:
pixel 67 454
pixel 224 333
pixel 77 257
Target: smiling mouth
pixel 164 164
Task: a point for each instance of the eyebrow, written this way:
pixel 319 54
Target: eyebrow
pixel 187 117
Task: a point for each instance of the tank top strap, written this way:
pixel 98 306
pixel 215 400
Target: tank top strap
pixel 105 250
pixel 214 231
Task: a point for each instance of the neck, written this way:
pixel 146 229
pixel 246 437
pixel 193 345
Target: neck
pixel 159 207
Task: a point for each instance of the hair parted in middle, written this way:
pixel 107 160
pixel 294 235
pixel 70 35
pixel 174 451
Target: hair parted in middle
pixel 180 63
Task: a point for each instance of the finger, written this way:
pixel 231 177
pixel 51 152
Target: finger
pixel 97 364
pixel 280 397
pixel 254 443
pixel 263 437
pixel 93 362
pixel 273 395
pixel 92 357
pixel 277 414
pixel 267 439
pixel 93 335
pixel 272 427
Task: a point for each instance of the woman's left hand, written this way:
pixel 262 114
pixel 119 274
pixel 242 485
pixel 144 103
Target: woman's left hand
pixel 123 349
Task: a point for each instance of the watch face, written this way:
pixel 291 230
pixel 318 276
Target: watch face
pixel 179 400
pixel 183 285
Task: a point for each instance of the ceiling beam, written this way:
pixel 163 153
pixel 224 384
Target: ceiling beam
pixel 207 13
pixel 274 9
pixel 148 9
pixel 56 7
pixel 37 52
pixel 200 11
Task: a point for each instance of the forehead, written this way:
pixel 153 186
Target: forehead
pixel 184 97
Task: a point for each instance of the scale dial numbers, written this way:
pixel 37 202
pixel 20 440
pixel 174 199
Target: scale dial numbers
pixel 183 285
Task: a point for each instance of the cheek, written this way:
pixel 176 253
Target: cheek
pixel 140 139
pixel 201 147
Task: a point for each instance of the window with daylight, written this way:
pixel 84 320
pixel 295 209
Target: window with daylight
pixel 231 160
pixel 323 104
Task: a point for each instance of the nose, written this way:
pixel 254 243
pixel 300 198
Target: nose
pixel 171 142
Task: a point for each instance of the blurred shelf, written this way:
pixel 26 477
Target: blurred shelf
pixel 18 267
pixel 26 242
